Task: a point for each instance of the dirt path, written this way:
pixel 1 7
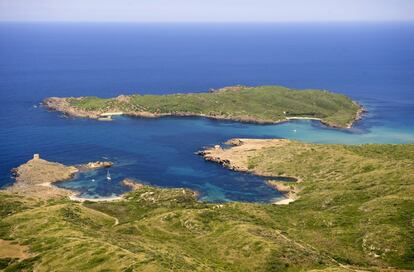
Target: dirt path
pixel 102 199
pixel 116 220
pixel 8 249
pixel 311 249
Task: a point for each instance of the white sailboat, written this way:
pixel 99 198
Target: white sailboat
pixel 108 176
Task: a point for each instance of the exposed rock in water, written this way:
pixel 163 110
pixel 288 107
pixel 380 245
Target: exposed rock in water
pixel 133 184
pixel 95 165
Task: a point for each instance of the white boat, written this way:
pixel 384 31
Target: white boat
pixel 108 176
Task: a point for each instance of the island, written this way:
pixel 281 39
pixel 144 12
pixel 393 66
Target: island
pixel 353 211
pixel 263 104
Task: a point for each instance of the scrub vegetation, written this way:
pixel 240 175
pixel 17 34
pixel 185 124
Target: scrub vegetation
pixel 265 104
pixel 355 211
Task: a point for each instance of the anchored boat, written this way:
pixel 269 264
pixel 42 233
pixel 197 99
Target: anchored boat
pixel 108 175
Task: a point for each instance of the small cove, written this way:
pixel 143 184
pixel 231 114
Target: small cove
pixel 161 151
pixel 177 165
pixel 43 60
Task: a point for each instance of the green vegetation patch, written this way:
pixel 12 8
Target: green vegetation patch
pixel 355 210
pixel 355 203
pixel 253 104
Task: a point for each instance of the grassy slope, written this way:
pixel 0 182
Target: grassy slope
pixel 355 202
pixel 266 103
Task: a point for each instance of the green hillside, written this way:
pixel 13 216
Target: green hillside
pixel 355 211
pixel 252 104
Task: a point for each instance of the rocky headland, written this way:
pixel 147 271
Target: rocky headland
pixel 237 158
pixel 36 177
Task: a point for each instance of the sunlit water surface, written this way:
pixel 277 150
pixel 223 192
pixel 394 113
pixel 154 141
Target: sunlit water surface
pixel 373 64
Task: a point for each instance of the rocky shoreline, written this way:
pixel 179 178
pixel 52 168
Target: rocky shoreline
pixel 62 105
pixel 288 189
pixel 236 158
pixel 36 177
pixel 133 184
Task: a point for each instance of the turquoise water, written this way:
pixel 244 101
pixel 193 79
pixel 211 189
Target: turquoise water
pixel 374 64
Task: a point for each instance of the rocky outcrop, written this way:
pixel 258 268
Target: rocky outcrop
pixel 123 98
pixel 133 184
pixel 62 105
pixel 36 177
pixel 235 88
pixel 94 165
pixel 236 157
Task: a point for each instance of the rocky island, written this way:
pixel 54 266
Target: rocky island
pixel 264 104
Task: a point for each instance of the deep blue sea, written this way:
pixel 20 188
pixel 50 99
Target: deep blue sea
pixel 372 63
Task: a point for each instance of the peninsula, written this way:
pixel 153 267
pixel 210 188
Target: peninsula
pixel 353 212
pixel 264 104
pixel 36 177
pixel 238 158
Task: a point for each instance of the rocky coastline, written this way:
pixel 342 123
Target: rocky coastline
pixel 62 105
pixel 133 184
pixel 94 165
pixel 36 177
pixel 236 158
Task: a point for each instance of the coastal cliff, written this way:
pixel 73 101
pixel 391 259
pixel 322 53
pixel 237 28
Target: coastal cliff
pixel 263 105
